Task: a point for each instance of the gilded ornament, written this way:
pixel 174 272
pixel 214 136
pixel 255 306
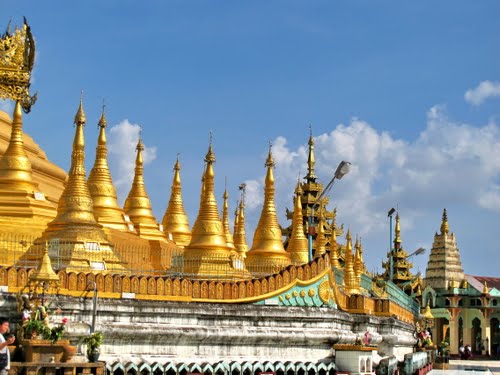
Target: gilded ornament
pixel 288 296
pixel 295 294
pixel 302 293
pixel 311 293
pixel 324 291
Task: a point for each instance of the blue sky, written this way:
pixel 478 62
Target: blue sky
pixel 408 92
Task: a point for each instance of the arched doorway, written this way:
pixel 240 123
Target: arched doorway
pixel 495 336
pixel 476 336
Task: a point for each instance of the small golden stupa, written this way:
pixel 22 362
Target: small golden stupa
pixel 175 221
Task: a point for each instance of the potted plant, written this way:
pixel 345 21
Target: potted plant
pixel 34 327
pixel 93 342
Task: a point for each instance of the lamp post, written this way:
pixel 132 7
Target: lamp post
pixel 342 169
pixel 93 285
pixel 391 250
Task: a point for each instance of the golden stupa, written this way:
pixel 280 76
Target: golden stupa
pixel 76 241
pixel 298 245
pixel 175 221
pixel 208 254
pixel 268 252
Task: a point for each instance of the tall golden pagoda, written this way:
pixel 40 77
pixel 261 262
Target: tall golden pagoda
pixel 350 281
pixel 268 253
pixel 320 238
pixel 297 245
pixel 335 248
pixel 311 190
pixel 175 220
pixel 138 206
pixel 444 267
pixel 76 241
pixel 107 211
pixel 208 256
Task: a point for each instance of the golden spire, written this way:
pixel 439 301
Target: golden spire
pixel 444 225
pixel 15 167
pixel 310 159
pixel 428 313
pixel 225 220
pixel 320 238
pixel 106 208
pixel 175 220
pixel 240 236
pixel 485 288
pixel 397 232
pixel 349 275
pixel 298 246
pixel 358 261
pixel 208 247
pixel 75 222
pixel 334 247
pixel 138 206
pixel 267 246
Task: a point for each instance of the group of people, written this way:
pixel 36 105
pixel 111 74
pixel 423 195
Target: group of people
pixel 6 339
pixel 465 352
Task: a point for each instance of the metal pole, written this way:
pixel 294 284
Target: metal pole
pixel 391 251
pixel 94 307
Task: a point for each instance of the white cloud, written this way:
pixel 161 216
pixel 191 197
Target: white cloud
pixel 449 164
pixel 483 91
pixel 122 143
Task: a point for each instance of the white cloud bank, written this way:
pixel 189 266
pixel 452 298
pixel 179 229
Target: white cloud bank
pixel 483 91
pixel 449 165
pixel 122 143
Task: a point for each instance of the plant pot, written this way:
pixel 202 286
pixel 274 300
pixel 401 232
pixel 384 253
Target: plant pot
pixel 93 355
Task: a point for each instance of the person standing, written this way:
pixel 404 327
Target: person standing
pixel 4 343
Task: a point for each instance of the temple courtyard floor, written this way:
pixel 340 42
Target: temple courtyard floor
pixel 470 367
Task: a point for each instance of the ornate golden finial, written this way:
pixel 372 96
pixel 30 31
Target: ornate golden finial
pixel 80 118
pixel 486 290
pixel 225 219
pixel 397 232
pixel 175 220
pixel 17 56
pixel 428 313
pixel 107 211
pixel 311 177
pixel 267 247
pixel 102 121
pixel 15 167
pixel 210 157
pixel 444 225
pixel 297 246
pixel 138 206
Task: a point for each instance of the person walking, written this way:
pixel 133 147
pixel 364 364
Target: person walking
pixel 4 343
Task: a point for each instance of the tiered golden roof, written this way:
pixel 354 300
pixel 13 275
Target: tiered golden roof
pixel 175 220
pixel 298 246
pixel 208 255
pixel 78 238
pixel 107 211
pixel 138 206
pixel 350 280
pixel 267 247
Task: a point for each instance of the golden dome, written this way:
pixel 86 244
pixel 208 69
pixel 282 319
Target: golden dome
pixel 298 245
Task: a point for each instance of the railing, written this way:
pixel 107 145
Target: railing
pixel 47 368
